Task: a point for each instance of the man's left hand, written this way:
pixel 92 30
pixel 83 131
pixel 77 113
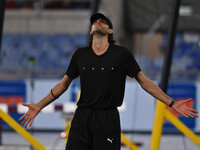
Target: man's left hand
pixel 182 108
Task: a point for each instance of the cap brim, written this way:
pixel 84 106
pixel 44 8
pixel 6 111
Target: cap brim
pixel 97 16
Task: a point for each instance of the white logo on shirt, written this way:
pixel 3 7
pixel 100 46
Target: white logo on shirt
pixel 101 68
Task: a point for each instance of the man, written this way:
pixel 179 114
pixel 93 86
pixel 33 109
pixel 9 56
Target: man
pixel 102 67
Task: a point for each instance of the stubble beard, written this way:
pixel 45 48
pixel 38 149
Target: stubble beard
pixel 100 32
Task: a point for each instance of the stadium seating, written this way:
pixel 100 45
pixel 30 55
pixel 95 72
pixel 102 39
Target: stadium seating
pixel 49 51
pixel 186 54
pixel 55 51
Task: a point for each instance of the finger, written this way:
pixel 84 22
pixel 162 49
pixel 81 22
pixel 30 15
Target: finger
pixel 189 114
pixel 22 117
pixel 194 110
pixel 184 114
pixel 24 120
pixel 24 104
pixel 188 100
pixel 27 122
pixel 195 115
pixel 31 122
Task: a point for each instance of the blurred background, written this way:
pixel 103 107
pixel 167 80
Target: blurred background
pixel 40 36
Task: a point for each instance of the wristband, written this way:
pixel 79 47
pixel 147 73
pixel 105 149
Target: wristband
pixel 53 95
pixel 172 103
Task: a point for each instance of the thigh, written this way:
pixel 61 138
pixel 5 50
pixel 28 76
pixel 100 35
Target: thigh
pixel 107 131
pixel 79 137
pixel 76 144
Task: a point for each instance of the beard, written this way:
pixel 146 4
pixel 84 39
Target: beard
pixel 101 32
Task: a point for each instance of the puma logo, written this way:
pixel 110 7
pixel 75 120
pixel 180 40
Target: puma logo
pixel 110 140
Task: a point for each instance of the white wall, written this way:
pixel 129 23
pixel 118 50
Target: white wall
pixel 198 107
pixel 51 22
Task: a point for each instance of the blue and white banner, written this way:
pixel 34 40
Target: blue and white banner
pixel 137 113
pixel 180 91
pixel 12 93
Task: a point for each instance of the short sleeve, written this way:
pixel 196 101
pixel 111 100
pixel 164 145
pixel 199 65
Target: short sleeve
pixel 72 70
pixel 131 65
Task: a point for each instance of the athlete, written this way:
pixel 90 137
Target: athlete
pixel 103 67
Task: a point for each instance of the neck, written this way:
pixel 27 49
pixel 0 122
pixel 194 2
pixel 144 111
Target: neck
pixel 100 43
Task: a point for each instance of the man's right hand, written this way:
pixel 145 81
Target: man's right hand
pixel 30 115
pixel 34 109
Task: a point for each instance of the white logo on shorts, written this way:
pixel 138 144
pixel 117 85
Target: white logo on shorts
pixel 110 140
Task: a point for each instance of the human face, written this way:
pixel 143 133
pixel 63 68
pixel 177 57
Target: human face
pixel 100 20
pixel 100 26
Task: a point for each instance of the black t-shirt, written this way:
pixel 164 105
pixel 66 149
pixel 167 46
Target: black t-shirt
pixel 102 77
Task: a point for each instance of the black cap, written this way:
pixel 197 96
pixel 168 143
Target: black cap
pixel 99 15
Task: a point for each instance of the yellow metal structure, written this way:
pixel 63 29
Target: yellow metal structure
pixel 162 112
pixel 182 127
pixel 67 128
pixel 18 128
pixel 158 125
pixel 128 143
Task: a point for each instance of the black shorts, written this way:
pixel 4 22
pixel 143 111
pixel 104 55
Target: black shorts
pixel 93 129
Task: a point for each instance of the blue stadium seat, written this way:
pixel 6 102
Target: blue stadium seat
pixel 43 41
pixel 64 44
pixel 63 40
pixel 80 40
pixel 23 38
pixel 158 63
pixel 7 38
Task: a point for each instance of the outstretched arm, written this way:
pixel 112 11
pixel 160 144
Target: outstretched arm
pixel 34 109
pixel 155 91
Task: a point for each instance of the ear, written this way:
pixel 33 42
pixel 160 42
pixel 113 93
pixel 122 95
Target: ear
pixel 110 31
